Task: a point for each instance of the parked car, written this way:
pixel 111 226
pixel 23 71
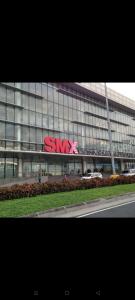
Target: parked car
pixel 92 175
pixel 113 176
pixel 129 172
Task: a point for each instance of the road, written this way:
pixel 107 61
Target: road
pixel 121 211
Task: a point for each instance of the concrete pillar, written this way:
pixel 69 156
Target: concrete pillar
pixel 122 165
pixel 18 112
pixel 84 165
pixel 20 167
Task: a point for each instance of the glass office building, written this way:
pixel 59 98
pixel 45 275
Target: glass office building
pixel 29 112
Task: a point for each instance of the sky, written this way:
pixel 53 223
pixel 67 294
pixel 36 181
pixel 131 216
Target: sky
pixel 126 89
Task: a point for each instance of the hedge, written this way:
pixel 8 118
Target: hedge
pixel 29 190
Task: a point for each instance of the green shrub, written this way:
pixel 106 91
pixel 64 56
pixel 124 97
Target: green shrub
pixel 28 190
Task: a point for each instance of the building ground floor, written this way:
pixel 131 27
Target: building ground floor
pixel 13 165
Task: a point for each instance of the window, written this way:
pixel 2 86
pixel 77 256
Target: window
pixel 66 126
pixel 25 86
pixel 25 116
pixel 45 121
pixel 50 93
pixel 39 119
pixel 39 139
pixel 25 146
pixel 25 101
pixel 10 113
pixel 55 96
pixel 32 118
pixel 2 130
pixel 56 109
pixel 70 114
pixel 56 123
pixel 74 103
pixel 61 124
pixel 60 111
pixel 9 164
pixel 50 108
pixel 65 112
pixel 50 122
pixel 38 88
pixel 32 103
pixel 25 134
pixel 17 133
pixel 45 111
pixel 32 135
pixel 3 93
pixel 10 96
pixel 9 145
pixel 18 115
pixel 60 98
pixel 10 131
pixel 38 105
pixel 44 90
pixel 2 112
pixel 70 101
pixel 2 145
pixel 32 87
pixel 65 100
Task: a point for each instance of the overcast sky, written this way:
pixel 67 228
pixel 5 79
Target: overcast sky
pixel 127 89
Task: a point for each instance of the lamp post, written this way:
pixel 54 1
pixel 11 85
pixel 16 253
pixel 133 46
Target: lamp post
pixel 109 131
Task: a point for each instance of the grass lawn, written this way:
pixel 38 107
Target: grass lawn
pixel 25 206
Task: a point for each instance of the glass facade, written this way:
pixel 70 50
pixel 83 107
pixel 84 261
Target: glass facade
pixel 31 111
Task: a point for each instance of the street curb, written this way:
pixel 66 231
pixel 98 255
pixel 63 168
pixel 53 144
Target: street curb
pixel 51 210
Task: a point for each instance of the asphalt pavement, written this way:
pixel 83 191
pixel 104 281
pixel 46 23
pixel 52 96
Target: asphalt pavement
pixel 122 211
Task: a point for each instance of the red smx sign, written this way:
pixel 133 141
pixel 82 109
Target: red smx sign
pixel 58 145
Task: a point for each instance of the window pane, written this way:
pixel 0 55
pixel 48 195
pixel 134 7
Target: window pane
pixel 25 116
pixel 60 98
pixel 32 87
pixel 9 167
pixel 50 93
pixel 9 145
pixel 39 139
pixel 2 146
pixel 60 111
pixel 50 108
pixel 32 103
pixel 25 101
pixel 32 117
pixel 45 121
pixel 10 131
pixel 10 114
pixel 50 122
pixel 44 90
pixel 10 96
pixel 55 96
pixel 45 107
pixel 38 105
pixel 38 88
pixel 3 93
pixel 56 123
pixel 25 134
pixel 25 86
pixel 56 109
pixel 32 135
pixel 39 119
pixel 2 130
pixel 2 112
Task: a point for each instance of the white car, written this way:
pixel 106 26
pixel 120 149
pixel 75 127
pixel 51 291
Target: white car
pixel 92 175
pixel 130 172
